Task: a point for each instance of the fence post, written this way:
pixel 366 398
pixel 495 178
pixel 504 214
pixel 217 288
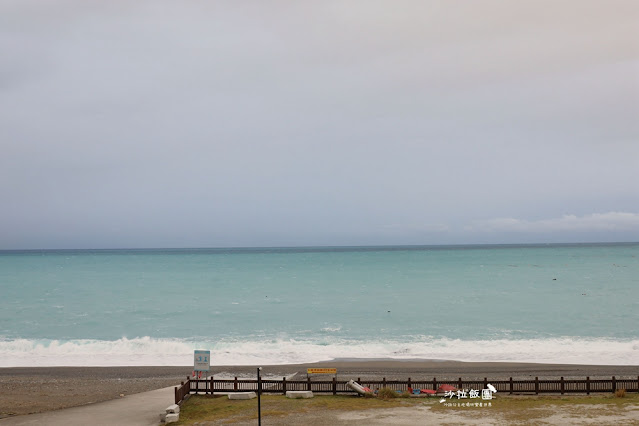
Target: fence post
pixel 562 385
pixel 537 385
pixel 460 384
pixel 614 384
pixel 177 401
pixel 334 386
pixel 283 385
pixel 485 383
pixel 235 384
pixel 212 384
pixel 588 385
pixel 434 383
pixel 384 382
pixel 511 385
pixel 308 383
pixel 409 383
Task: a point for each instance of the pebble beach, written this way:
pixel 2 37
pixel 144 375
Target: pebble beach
pixel 31 390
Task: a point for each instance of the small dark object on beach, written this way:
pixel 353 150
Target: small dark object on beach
pixel 554 279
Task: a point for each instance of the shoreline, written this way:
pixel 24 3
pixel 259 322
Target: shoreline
pixel 25 390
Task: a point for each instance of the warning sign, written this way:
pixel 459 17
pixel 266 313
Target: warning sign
pixel 202 360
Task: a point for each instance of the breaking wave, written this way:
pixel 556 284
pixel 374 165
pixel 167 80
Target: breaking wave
pixel 147 351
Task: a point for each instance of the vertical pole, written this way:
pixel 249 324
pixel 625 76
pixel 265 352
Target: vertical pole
pixel 562 385
pixel 334 386
pixel 537 385
pixel 283 385
pixel 212 385
pixel 614 384
pixel 384 382
pixel 409 383
pixel 588 385
pixel 259 394
pixel 235 384
pixel 434 383
pixel 511 385
pixel 308 383
pixel 177 401
pixel 459 384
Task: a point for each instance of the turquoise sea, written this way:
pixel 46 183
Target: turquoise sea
pixel 541 303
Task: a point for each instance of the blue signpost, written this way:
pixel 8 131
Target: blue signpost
pixel 201 363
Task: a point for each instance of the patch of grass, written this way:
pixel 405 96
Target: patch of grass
pixel 219 408
pixel 519 408
pixel 537 401
pixel 512 409
pixel 386 393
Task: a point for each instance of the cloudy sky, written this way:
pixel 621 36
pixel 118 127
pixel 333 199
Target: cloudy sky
pixel 285 123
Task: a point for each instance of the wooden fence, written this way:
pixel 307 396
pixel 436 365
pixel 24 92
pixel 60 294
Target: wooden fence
pixel 335 387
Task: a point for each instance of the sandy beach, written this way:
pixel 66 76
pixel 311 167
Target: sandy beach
pixel 32 390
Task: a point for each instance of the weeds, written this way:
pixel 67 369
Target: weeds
pixel 386 393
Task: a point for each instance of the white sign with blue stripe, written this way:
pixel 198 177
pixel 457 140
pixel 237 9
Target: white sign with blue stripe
pixel 202 360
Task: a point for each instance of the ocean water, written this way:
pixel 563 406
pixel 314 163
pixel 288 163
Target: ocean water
pixel 550 303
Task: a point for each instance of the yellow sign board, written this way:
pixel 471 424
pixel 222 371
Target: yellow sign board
pixel 321 371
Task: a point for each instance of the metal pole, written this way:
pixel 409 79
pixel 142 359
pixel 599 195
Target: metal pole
pixel 259 393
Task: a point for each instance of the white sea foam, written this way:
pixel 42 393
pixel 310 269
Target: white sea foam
pixel 151 351
pixel 331 329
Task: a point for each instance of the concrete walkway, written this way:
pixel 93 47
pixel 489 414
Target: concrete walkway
pixel 142 409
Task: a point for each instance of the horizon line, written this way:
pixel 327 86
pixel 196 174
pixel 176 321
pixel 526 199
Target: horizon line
pixel 328 247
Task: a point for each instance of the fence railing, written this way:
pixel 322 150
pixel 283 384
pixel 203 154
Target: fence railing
pixel 334 386
pixel 183 390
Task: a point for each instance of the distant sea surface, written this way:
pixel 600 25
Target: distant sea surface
pixel 549 304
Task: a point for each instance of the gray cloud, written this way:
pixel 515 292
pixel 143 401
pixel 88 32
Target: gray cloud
pixel 613 221
pixel 286 123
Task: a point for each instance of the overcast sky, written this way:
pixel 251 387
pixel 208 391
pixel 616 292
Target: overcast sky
pixel 286 123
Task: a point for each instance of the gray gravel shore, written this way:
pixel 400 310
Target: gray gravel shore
pixel 30 390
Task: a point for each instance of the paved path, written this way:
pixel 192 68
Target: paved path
pixel 142 409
